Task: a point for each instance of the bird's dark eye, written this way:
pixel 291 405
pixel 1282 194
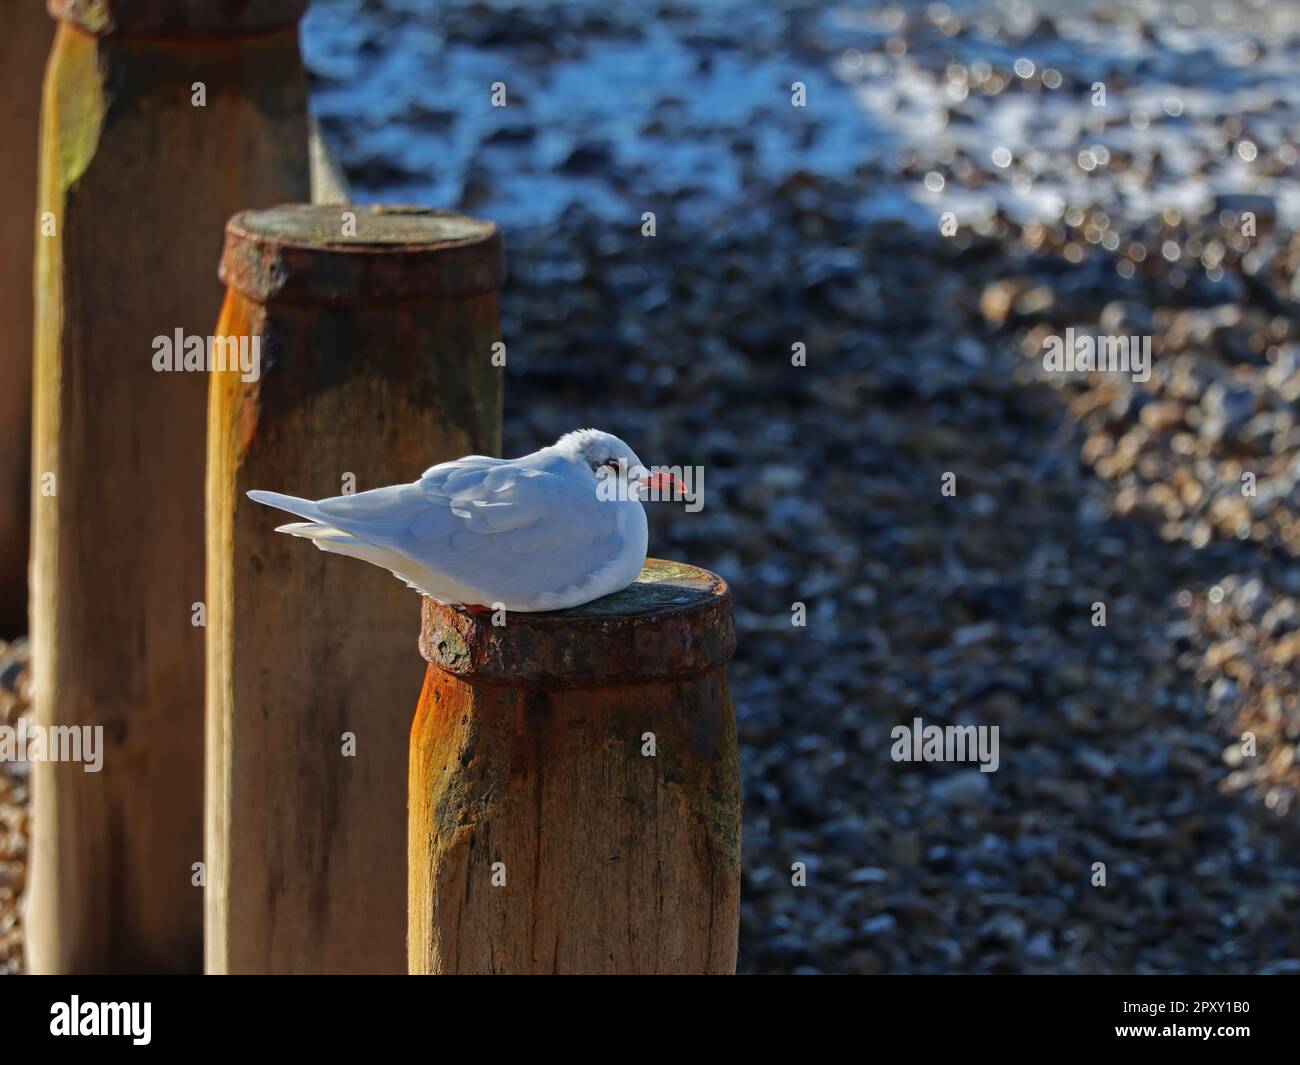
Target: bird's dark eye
pixel 611 464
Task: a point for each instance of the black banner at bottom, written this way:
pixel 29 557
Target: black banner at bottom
pixel 341 1013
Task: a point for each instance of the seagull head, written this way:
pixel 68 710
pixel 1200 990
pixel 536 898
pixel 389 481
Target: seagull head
pixel 605 455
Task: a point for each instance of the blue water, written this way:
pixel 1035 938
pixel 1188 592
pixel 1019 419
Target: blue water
pixel 685 108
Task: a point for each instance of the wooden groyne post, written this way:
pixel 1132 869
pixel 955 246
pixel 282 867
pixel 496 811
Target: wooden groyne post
pixel 24 45
pixel 376 327
pixel 159 120
pixel 575 786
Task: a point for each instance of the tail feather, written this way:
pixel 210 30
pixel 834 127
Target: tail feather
pixel 319 531
pixel 338 542
pixel 304 508
pixel 328 537
pixel 312 530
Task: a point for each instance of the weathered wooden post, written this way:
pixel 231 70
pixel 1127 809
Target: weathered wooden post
pixel 376 364
pixel 159 120
pixel 25 35
pixel 575 787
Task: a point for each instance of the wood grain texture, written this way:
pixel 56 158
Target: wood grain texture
pixel 613 861
pixel 24 46
pixel 307 846
pixel 141 183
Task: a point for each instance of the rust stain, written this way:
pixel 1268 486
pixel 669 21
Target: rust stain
pixel 541 758
pixel 301 254
pixel 674 621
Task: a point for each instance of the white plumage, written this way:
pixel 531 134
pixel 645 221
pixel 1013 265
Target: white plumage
pixel 532 533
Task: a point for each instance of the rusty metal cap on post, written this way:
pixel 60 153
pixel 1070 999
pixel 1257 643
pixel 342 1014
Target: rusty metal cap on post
pixel 673 621
pixel 130 17
pixel 359 255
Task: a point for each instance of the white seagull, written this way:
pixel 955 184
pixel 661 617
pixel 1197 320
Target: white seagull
pixel 551 530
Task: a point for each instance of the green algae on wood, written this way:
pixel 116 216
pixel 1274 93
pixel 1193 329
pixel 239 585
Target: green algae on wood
pixel 24 46
pixel 139 183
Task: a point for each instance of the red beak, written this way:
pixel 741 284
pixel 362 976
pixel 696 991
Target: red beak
pixel 665 480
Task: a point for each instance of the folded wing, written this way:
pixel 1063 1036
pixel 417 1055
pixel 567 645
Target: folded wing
pixel 505 529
